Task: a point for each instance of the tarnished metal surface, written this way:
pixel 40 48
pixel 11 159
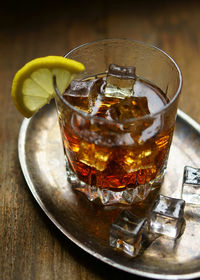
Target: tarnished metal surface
pixel 42 162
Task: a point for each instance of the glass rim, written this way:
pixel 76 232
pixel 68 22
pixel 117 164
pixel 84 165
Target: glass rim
pixel 149 116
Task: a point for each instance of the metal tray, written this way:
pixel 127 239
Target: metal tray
pixel 42 162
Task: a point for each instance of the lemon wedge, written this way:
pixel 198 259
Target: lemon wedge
pixel 32 86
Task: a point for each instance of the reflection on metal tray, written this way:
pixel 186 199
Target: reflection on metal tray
pixel 42 162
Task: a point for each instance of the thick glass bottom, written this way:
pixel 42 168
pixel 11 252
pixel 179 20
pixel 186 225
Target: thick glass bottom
pixel 108 197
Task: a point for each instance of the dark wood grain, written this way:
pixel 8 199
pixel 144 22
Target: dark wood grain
pixel 30 246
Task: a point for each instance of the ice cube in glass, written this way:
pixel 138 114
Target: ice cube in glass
pixel 82 94
pixel 167 216
pixel 129 108
pixel 93 155
pixel 120 81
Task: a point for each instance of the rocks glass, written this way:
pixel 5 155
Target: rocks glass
pixel 117 119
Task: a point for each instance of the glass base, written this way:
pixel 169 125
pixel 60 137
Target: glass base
pixel 109 197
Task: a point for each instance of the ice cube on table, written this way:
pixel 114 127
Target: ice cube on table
pixel 191 185
pixel 120 81
pixel 167 216
pixel 126 233
pixel 191 175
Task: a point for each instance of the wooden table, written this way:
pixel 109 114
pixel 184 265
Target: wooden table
pixel 31 247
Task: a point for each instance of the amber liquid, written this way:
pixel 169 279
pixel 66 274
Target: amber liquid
pixel 136 154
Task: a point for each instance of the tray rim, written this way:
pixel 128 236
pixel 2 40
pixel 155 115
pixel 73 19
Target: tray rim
pixel 22 159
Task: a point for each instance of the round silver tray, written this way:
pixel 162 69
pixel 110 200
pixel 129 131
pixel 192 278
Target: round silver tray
pixel 87 224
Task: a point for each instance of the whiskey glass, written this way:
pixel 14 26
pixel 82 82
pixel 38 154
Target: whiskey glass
pixel 120 161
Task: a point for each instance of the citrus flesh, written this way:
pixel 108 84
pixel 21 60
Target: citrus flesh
pixel 32 85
